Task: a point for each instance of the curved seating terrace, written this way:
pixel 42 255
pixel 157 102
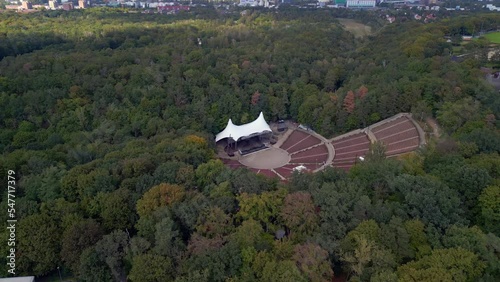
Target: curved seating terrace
pixel 298 147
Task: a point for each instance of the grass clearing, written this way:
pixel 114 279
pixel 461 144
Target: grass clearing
pixel 494 37
pixel 356 28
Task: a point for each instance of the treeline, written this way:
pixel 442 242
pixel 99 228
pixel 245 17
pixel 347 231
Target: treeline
pixel 109 129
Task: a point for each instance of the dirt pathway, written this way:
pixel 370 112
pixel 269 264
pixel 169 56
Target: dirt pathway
pixel 436 131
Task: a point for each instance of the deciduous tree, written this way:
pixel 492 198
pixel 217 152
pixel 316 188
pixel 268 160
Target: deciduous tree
pixel 151 268
pixel 455 264
pixel 159 196
pixel 78 237
pixel 299 214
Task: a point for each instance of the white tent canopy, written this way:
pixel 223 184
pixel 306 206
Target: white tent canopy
pixel 253 128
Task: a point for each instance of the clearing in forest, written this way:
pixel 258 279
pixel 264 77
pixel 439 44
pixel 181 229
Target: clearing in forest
pixel 356 28
pixel 493 37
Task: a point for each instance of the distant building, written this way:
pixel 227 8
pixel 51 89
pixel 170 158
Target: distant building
pixel 67 6
pixel 12 7
pixel 251 3
pixel 83 4
pixel 361 3
pixel 27 5
pixel 53 4
pixel 172 8
pixel 492 7
pixel 340 3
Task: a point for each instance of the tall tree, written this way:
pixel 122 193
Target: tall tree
pixel 112 249
pixel 92 267
pixel 299 214
pixel 349 102
pixel 78 237
pixel 264 207
pixel 159 196
pixel 313 262
pixel 489 204
pixel 151 268
pixel 442 205
pixel 39 244
pixel 455 264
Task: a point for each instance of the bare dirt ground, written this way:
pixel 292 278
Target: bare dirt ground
pixel 356 28
pixel 436 131
pixel 266 159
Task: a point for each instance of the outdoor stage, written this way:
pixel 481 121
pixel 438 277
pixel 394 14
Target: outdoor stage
pixel 266 159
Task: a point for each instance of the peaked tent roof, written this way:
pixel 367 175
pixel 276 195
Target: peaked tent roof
pixel 235 132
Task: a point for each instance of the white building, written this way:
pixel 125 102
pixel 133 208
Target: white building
pixel 492 7
pixel 250 3
pixel 361 3
pixel 254 3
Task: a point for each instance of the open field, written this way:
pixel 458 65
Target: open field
pixel 494 37
pixel 356 28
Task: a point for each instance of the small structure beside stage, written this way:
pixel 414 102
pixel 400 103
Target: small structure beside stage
pixel 246 138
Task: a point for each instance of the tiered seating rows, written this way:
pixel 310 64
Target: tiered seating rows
pixel 283 171
pixel 392 127
pixel 350 155
pixel 311 159
pixel 403 146
pixel 348 149
pixel 305 143
pixel 403 135
pixel 311 152
pixel 353 139
pixel 293 139
pixel 352 148
pixel 400 136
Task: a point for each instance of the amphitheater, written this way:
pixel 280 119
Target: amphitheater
pixel 302 149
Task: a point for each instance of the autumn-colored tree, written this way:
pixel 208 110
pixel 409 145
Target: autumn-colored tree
pixel 199 244
pixel 196 140
pixel 213 221
pixel 255 98
pixel 264 207
pixel 312 260
pixel 349 102
pixel 362 91
pixel 299 214
pixel 245 64
pixel 159 196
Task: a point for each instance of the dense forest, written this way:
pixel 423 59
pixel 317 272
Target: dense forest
pixel 108 119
